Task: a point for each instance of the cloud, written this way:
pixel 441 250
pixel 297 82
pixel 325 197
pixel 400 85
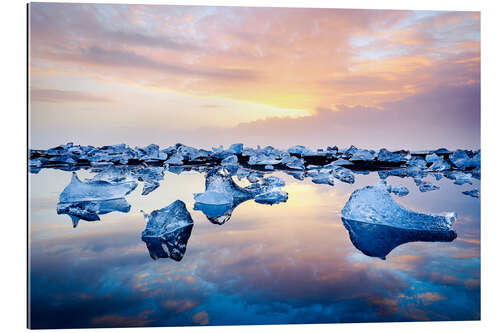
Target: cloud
pixel 445 116
pixel 65 96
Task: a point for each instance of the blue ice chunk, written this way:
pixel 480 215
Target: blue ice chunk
pixel 271 197
pixel 236 148
pixel 363 155
pixel 95 190
pixel 438 164
pixel 472 193
pixel 167 219
pixel 386 156
pixel 294 162
pixel 167 231
pixel 398 190
pixel 373 204
pixel 175 159
pixel 424 186
pixel 230 161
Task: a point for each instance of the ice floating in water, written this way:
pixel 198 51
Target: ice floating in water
pixel 461 160
pixel 176 159
pixel 424 186
pixel 272 197
pixel 230 161
pixel 363 155
pixel 222 195
pixel 439 164
pixel 167 231
pixel 220 189
pixel 300 150
pixel 373 204
pixel 343 174
pixel 460 178
pixel 95 190
pixel 294 163
pixel 386 156
pixel 324 177
pixel 398 190
pixel 472 193
pixel 87 200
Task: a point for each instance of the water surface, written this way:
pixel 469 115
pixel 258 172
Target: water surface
pixel 293 262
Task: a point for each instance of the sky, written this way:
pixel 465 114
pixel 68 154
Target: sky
pixel 205 76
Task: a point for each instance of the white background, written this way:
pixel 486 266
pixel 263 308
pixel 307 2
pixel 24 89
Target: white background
pixel 13 163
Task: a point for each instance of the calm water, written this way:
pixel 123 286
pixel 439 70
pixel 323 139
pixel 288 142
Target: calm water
pixel 288 263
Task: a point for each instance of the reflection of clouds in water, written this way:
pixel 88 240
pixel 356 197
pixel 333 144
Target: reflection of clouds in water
pixel 284 263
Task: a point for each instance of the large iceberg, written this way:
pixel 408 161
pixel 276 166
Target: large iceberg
pixel 373 204
pixel 87 200
pixel 95 190
pixel 167 231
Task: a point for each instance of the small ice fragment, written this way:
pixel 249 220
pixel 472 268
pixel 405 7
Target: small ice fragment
pixel 324 178
pixel 242 173
pixel 424 186
pixel 400 191
pixel 149 187
pixel 175 159
pixel 264 159
pixel 272 197
pixel 386 156
pixel 269 167
pixel 230 161
pixel 439 164
pixel 295 163
pixel 253 177
pixel 236 148
pixel 363 155
pixel 462 161
pixel 472 193
pixel 37 162
pixel 417 161
pixel 430 158
pixel 272 181
pixel 343 174
pixel 220 189
pixel 300 150
pixel 460 178
pixel 218 150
